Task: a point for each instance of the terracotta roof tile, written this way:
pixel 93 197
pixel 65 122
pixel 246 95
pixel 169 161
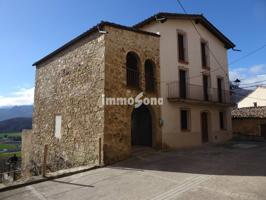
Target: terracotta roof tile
pixel 249 112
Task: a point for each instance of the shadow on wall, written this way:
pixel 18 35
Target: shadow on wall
pixel 236 159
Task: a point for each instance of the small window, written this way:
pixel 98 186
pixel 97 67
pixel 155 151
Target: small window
pixel 132 64
pixel 222 120
pixel 204 55
pixel 184 117
pixel 58 124
pixel 149 76
pixel 182 47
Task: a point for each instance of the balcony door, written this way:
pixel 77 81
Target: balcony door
pixel 220 87
pixel 183 84
pixel 205 87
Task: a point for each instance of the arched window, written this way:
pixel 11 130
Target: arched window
pixel 149 75
pixel 132 69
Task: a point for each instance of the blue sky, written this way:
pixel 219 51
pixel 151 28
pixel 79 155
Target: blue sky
pixel 31 29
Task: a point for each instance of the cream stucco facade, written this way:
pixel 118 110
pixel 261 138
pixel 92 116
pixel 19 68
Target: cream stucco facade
pixel 256 98
pixel 172 135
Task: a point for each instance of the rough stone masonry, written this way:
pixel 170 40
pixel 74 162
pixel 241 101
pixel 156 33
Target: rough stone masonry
pixel 70 83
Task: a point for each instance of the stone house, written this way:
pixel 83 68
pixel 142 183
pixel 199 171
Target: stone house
pixel 249 121
pixel 194 79
pixel 163 56
pixel 69 114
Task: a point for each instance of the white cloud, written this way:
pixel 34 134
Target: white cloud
pixel 21 97
pixel 256 69
pixel 249 75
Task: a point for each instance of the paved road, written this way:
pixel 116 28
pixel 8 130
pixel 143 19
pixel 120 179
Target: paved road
pixel 211 172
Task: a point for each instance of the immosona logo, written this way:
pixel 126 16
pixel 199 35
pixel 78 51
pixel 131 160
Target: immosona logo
pixel 137 101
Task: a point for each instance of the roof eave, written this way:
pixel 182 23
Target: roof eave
pixel 92 30
pixel 228 43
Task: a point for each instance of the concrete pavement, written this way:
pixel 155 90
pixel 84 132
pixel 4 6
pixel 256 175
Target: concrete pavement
pixel 221 172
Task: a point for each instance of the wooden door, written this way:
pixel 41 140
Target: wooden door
pixel 204 127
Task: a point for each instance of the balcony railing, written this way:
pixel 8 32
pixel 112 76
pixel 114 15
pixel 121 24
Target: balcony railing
pixel 197 92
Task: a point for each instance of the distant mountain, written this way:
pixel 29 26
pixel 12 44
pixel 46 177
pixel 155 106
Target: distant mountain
pixel 237 94
pixel 15 124
pixel 16 112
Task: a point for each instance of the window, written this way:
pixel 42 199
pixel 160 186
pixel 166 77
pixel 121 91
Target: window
pixel 184 118
pixel 58 123
pixel 204 55
pixel 220 90
pixel 182 47
pixel 132 69
pixel 222 120
pixel 149 75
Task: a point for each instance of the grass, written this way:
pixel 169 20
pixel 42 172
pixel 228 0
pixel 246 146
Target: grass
pixel 10 134
pixel 7 155
pixel 8 146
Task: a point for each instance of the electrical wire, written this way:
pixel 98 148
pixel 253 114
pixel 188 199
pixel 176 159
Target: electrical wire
pixel 215 58
pixel 248 54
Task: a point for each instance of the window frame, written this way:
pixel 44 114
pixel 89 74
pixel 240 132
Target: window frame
pixel 207 55
pixel 135 72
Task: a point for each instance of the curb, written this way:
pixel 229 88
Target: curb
pixel 43 179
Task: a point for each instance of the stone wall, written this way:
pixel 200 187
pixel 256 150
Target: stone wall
pixel 71 85
pixel 247 126
pixel 117 126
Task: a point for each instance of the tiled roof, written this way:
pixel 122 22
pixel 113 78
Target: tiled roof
pixel 90 31
pixel 249 112
pixel 195 17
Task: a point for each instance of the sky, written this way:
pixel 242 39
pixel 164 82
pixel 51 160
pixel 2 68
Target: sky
pixel 31 29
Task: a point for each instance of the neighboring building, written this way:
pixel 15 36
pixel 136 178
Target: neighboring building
pixel 256 98
pixel 69 116
pixel 194 79
pixel 249 121
pixel 162 56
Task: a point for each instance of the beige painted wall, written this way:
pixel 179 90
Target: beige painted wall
pixel 172 136
pixel 257 96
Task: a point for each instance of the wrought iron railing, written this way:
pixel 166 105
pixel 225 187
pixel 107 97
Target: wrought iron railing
pixel 176 90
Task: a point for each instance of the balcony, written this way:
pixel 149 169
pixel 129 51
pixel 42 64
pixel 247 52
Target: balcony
pixel 197 93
